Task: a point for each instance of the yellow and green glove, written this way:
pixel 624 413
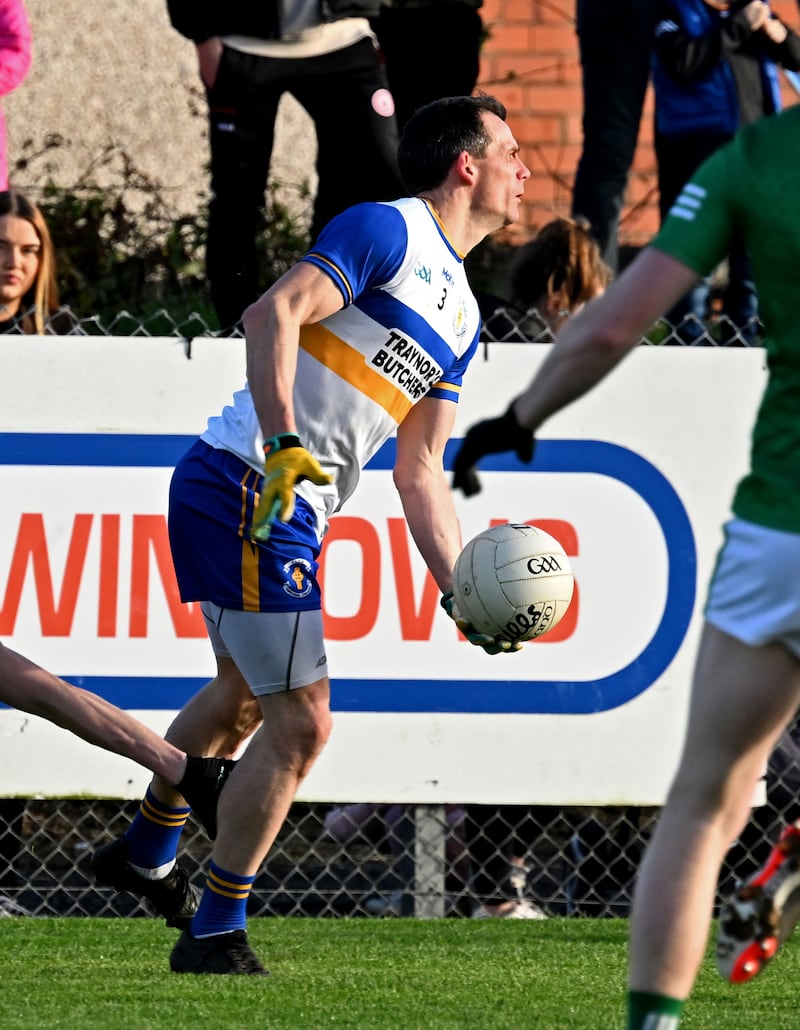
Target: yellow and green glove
pixel 286 463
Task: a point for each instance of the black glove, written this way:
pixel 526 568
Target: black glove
pixel 490 644
pixel 493 436
pixel 201 786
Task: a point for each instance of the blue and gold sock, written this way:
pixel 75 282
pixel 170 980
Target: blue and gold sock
pixel 153 836
pixel 223 906
pixel 653 1011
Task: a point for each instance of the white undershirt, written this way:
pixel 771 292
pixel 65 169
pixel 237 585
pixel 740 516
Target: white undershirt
pixel 312 41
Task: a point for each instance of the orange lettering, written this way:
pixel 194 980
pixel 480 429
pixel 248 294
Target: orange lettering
pixel 354 627
pixel 415 621
pixel 56 618
pixel 108 587
pixel 187 619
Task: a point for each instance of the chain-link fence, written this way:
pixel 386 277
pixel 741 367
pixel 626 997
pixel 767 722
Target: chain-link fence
pixel 502 323
pixel 379 859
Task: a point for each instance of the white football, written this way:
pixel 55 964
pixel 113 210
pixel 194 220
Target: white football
pixel 513 581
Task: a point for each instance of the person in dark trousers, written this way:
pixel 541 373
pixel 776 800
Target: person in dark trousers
pixel 431 49
pixel 715 69
pixel 615 40
pixel 249 55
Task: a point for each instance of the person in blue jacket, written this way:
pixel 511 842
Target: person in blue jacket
pixel 715 68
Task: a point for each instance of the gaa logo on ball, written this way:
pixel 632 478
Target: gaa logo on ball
pixel 513 581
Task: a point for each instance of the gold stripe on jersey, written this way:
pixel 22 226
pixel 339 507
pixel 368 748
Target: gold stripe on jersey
pixel 349 364
pixel 338 275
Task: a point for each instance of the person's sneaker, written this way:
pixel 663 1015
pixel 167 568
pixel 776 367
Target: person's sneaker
pixel 9 907
pixel 173 897
pixel 518 878
pixel 388 905
pixel 761 913
pixel 201 786
pixel 523 909
pixel 223 953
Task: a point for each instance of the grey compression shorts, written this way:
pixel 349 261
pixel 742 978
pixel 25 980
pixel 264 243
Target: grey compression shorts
pixel 754 594
pixel 274 651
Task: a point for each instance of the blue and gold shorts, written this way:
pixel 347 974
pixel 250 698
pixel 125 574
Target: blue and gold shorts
pixel 213 495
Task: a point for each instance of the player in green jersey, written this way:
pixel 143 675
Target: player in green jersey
pixel 746 684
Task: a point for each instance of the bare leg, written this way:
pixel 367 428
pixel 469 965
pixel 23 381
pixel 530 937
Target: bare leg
pixel 260 791
pixel 30 688
pixel 742 698
pixel 216 721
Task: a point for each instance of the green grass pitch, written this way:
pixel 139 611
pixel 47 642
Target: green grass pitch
pixel 360 973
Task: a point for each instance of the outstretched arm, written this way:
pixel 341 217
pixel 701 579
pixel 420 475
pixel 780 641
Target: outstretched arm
pixel 607 329
pixel 30 688
pixel 587 349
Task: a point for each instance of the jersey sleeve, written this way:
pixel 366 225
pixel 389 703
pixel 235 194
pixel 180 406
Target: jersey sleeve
pixel 698 228
pixel 449 386
pixel 361 248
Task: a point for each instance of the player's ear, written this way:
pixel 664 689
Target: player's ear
pixel 465 167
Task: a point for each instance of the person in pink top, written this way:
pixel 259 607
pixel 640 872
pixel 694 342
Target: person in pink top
pixel 15 60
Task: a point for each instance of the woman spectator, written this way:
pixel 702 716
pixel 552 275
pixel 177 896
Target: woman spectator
pixel 28 293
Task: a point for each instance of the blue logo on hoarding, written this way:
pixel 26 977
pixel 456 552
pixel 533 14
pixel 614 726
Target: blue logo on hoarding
pixel 399 695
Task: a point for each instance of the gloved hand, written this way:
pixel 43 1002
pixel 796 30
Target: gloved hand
pixel 490 644
pixel 491 436
pixel 286 463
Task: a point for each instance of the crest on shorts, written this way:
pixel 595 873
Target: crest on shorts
pixel 298 579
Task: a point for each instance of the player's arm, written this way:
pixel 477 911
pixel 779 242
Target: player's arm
pixel 587 349
pixel 30 688
pixel 303 295
pixel 428 503
pixel 607 329
pixel 422 484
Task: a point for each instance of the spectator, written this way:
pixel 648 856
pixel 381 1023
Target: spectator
pixel 551 276
pixel 498 841
pixel 444 37
pixel 250 54
pixel 714 70
pixel 615 41
pixel 15 60
pixel 390 829
pixel 28 292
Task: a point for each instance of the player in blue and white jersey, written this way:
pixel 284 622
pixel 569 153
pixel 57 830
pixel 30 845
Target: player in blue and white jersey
pixel 366 337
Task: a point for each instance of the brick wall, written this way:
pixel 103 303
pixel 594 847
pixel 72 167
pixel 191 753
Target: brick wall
pixel 111 73
pixel 530 62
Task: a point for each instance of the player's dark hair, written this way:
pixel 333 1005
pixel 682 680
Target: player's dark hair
pixel 437 133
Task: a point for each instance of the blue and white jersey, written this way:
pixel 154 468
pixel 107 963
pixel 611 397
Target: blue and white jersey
pixel 409 328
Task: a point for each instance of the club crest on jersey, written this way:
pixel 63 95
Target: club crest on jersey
pixel 298 579
pixel 460 318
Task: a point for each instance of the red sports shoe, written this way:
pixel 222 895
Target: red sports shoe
pixel 762 912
